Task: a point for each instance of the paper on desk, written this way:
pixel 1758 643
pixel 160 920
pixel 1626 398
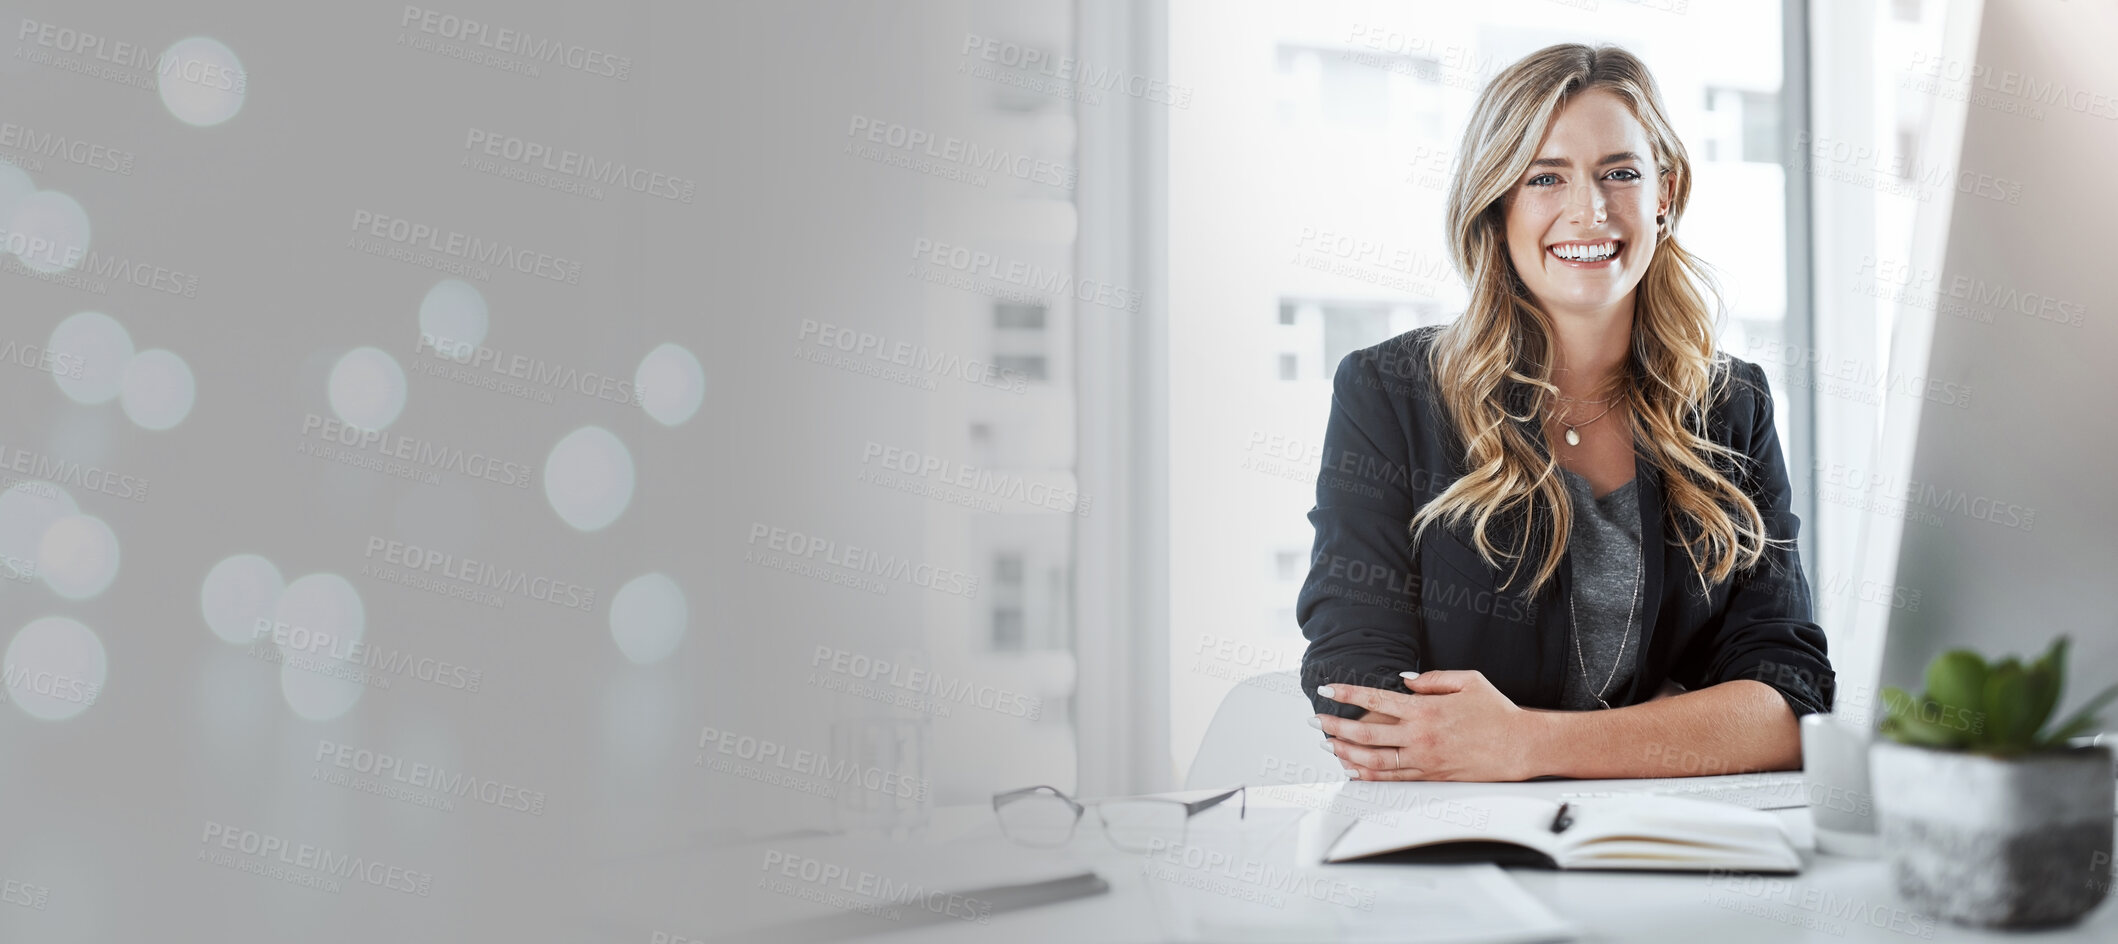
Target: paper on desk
pixel 746 891
pixel 1457 904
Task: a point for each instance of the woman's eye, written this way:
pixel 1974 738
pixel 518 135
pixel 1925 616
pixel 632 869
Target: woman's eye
pixel 1544 180
pixel 1630 174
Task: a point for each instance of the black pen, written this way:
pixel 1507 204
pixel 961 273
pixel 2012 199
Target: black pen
pixel 1560 822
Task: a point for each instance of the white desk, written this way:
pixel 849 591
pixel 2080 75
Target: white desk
pixel 1834 899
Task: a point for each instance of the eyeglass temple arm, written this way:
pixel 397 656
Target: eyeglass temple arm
pixel 1210 802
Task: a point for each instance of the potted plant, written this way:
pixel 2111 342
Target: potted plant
pixel 1988 816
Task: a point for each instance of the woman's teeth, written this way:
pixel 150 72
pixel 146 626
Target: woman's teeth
pixel 1586 252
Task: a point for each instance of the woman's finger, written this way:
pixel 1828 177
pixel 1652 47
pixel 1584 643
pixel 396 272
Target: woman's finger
pixel 1444 682
pixel 1396 773
pixel 1359 755
pixel 1373 699
pixel 1371 734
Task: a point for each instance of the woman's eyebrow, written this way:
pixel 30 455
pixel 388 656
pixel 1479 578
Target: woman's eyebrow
pixel 1563 162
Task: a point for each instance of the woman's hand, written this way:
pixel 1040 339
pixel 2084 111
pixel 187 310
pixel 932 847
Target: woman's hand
pixel 1454 725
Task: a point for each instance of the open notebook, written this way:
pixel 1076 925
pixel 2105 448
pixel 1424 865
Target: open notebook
pixel 1620 832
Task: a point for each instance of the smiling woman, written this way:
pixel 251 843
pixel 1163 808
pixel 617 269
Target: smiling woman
pixel 1609 521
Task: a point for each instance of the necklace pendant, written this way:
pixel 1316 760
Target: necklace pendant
pixel 1572 438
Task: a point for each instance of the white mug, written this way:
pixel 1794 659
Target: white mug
pixel 1835 774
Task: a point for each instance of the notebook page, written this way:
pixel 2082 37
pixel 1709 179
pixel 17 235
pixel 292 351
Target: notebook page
pixel 1525 821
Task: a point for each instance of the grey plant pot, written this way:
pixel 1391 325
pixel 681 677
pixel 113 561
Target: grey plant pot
pixel 1994 842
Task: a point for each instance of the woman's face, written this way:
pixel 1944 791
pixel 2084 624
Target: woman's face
pixel 1581 221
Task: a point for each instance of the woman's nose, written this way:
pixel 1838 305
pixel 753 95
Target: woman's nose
pixel 1585 202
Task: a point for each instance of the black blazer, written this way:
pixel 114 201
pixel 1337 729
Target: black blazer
pixel 1372 606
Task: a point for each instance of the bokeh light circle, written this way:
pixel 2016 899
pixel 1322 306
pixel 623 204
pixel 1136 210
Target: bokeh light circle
pixel 27 510
pixel 318 619
pixel 239 592
pixel 588 478
pixel 325 608
pixel 648 618
pixel 89 353
pixel 78 556
pixel 48 231
pixel 14 186
pixel 201 81
pixel 367 388
pixel 315 695
pixel 453 318
pixel 671 384
pixel 158 389
pixel 55 669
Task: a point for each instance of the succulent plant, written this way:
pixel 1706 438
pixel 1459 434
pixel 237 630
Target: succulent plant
pixel 1990 708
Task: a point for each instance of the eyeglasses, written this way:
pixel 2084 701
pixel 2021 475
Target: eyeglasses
pixel 1043 816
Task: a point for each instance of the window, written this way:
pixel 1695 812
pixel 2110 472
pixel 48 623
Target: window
pixel 1287 564
pixel 1008 315
pixel 1030 366
pixel 1742 125
pixel 1348 328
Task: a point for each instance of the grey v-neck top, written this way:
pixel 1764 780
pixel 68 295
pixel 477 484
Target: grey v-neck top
pixel 1606 604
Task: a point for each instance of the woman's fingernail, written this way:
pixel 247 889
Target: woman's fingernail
pixel 1325 690
pixel 1317 723
pixel 1408 675
pixel 1329 749
pixel 1352 774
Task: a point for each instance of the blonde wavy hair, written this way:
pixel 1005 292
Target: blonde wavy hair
pixel 1493 365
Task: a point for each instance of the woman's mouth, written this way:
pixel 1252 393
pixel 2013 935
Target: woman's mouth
pixel 1587 255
